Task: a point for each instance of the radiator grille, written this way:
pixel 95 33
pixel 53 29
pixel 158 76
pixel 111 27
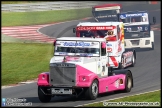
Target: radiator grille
pixel 62 76
pixel 134 29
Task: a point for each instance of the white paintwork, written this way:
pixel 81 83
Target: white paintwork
pixel 81 39
pixel 141 43
pixel 136 23
pixel 107 8
pixel 99 23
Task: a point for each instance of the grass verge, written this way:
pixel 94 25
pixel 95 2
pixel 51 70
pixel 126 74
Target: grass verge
pixel 153 98
pixel 24 61
pixel 42 17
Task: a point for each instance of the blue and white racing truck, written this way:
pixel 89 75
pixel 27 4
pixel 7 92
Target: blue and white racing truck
pixel 137 29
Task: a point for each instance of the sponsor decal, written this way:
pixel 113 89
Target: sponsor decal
pixel 109 44
pixel 95 28
pixel 117 83
pixel 137 14
pixel 76 44
pixel 122 17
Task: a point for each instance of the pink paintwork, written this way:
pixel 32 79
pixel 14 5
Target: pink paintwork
pixel 110 83
pixel 85 78
pixel 83 73
pixel 103 44
pixel 43 79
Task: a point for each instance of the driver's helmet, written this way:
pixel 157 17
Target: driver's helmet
pixel 133 20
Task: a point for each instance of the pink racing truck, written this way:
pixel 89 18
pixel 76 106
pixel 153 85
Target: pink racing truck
pixel 79 67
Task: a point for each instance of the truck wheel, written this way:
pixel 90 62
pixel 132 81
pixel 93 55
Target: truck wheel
pixel 152 46
pixel 92 92
pixel 128 82
pixel 133 61
pixel 42 96
pixel 121 64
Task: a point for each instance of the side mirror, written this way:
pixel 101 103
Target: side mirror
pixel 54 42
pixel 154 20
pixel 103 44
pixel 74 30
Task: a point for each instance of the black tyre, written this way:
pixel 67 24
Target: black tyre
pixel 92 92
pixel 133 60
pixel 152 46
pixel 121 64
pixel 128 82
pixel 42 97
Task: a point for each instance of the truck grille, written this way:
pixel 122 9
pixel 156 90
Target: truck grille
pixel 134 29
pixel 62 74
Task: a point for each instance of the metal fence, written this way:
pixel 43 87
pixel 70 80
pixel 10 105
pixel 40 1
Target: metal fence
pixel 55 5
pixel 46 6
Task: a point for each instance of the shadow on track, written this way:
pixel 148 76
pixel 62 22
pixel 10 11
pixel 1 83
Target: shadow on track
pixel 67 99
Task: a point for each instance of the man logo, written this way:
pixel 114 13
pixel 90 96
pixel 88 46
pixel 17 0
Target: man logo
pixel 122 17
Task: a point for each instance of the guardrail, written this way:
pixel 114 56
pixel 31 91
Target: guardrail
pixel 57 5
pixel 46 6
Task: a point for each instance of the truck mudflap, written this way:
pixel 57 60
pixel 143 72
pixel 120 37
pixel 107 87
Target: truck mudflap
pixel 128 58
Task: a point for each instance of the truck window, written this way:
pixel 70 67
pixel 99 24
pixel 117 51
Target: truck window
pixel 86 33
pixel 136 19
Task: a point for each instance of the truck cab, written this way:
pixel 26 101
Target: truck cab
pixel 106 12
pixel 113 32
pixel 137 29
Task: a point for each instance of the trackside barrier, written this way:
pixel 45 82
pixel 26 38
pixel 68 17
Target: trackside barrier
pixel 153 2
pixel 57 5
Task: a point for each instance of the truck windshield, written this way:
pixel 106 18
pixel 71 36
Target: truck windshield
pixel 132 19
pixel 77 48
pixel 98 33
pixel 106 15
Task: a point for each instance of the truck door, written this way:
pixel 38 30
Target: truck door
pixel 104 61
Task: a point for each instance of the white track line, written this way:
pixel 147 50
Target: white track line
pixel 118 98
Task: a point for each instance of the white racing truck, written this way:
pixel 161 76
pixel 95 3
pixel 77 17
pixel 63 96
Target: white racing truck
pixel 137 29
pixel 113 32
pixel 79 68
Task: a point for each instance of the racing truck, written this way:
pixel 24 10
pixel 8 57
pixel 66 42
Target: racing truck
pixel 113 32
pixel 106 12
pixel 137 29
pixel 79 68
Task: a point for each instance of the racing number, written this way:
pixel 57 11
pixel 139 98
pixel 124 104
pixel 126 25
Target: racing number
pixel 110 32
pixel 109 49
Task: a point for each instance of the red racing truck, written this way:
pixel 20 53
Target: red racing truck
pixel 106 12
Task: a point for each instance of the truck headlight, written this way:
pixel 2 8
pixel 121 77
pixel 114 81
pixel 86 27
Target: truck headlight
pixel 147 42
pixel 83 78
pixel 43 77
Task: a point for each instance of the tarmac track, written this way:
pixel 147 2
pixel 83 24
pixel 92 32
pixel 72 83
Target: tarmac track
pixel 146 73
